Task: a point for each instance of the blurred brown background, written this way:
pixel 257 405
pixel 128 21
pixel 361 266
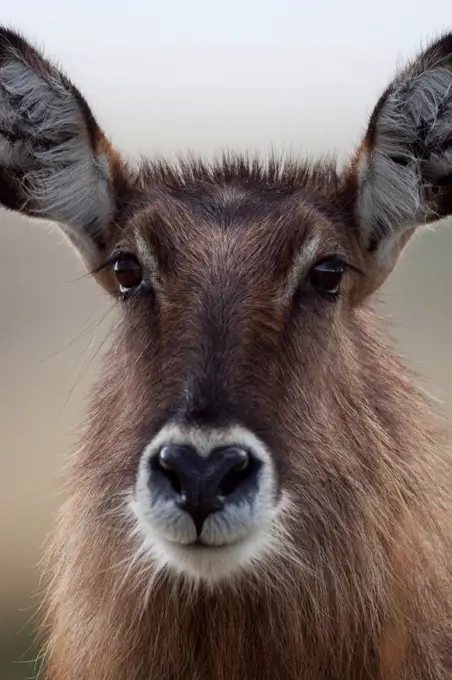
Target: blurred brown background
pixel 193 76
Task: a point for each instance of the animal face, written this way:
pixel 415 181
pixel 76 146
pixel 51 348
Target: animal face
pixel 234 302
pixel 238 393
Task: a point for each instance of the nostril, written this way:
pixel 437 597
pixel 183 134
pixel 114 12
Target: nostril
pixel 232 480
pixel 172 476
pixel 166 458
pixel 243 460
pixel 236 465
pixel 173 462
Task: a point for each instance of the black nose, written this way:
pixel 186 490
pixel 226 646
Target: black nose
pixel 202 485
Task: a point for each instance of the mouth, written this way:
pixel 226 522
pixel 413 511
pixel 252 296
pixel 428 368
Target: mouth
pixel 209 564
pixel 210 558
pixel 201 545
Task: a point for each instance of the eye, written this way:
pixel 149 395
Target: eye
pixel 327 275
pixel 128 272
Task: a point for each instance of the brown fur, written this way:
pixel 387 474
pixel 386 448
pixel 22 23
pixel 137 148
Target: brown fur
pixel 363 589
pixel 361 586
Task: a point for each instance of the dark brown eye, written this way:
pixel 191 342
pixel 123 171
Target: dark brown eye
pixel 128 272
pixel 327 275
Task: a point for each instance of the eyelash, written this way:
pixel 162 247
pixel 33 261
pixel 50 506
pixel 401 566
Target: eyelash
pixel 341 261
pixel 110 262
pixel 124 292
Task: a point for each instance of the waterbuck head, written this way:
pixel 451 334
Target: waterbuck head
pixel 247 403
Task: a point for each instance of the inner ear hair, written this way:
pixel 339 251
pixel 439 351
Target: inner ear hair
pixel 402 171
pixel 55 161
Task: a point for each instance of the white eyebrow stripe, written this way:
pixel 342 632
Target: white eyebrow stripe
pixel 304 258
pixel 148 259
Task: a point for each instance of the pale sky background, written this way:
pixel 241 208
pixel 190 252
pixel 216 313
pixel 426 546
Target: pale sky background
pixel 164 77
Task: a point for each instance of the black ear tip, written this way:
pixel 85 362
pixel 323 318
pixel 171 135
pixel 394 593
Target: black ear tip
pixel 14 43
pixel 443 43
pixel 9 37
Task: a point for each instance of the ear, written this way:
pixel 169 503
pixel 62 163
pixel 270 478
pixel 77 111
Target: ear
pixel 55 162
pixel 401 175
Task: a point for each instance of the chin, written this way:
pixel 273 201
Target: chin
pixel 211 564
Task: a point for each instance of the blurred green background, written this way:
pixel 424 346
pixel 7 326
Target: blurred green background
pixel 193 75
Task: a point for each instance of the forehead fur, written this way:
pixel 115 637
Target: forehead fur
pixel 194 179
pixel 251 171
pixel 193 205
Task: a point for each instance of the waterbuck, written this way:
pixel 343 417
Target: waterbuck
pixel 261 491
